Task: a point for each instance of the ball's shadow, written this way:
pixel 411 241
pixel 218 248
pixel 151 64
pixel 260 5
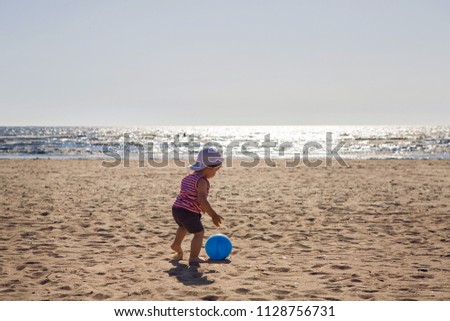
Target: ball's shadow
pixel 210 261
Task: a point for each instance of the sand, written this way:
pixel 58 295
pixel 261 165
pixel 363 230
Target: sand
pixel 376 230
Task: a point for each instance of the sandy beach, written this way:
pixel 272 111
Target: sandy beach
pixel 376 230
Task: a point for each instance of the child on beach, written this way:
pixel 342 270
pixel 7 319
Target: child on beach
pixel 192 201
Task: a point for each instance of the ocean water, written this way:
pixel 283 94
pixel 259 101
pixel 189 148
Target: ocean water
pixel 265 141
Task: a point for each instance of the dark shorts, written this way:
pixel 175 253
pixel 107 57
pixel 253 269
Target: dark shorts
pixel 189 220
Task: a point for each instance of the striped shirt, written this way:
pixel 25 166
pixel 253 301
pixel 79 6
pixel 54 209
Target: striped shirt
pixel 187 198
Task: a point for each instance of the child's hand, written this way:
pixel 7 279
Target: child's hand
pixel 217 219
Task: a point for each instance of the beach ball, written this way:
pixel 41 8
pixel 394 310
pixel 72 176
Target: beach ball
pixel 218 247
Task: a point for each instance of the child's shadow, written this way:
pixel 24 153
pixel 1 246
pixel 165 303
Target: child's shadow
pixel 188 274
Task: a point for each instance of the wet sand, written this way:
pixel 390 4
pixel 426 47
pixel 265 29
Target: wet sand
pixel 376 230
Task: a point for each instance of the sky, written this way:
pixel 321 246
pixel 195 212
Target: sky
pixel 208 62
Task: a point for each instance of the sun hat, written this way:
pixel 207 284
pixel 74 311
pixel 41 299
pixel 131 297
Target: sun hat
pixel 207 157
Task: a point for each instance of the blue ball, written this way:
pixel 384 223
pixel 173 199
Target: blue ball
pixel 218 247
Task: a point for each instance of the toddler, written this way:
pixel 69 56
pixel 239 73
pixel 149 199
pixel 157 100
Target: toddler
pixel 192 201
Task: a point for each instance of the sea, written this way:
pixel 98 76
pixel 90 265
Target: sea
pixel 352 142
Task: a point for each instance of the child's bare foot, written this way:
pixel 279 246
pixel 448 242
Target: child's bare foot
pixel 196 260
pixel 179 255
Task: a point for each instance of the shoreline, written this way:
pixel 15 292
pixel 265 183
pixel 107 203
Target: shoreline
pixel 135 157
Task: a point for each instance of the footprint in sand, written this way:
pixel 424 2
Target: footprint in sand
pixel 341 267
pixel 279 269
pixel 422 276
pixel 318 273
pixel 100 296
pixel 282 292
pixel 242 291
pixel 335 289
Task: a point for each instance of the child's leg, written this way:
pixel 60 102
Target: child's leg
pixel 176 245
pixel 196 246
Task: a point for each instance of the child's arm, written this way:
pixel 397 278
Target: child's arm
pixel 202 199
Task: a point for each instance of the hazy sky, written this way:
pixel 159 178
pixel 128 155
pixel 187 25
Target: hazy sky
pixel 255 62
